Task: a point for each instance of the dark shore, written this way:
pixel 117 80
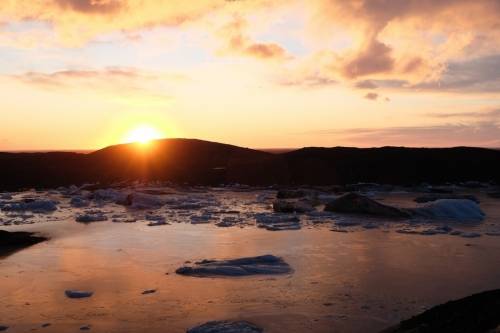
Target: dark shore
pixel 13 241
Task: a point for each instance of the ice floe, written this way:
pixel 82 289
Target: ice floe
pixel 288 206
pixel 79 202
pixel 32 205
pixel 226 327
pixel 461 210
pixel 261 265
pixel 91 216
pixel 278 222
pixel 155 220
pixel 78 294
pixel 360 204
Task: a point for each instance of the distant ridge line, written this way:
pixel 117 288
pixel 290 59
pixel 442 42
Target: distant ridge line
pixel 192 161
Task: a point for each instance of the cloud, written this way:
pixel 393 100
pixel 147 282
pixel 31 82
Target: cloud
pixel 265 51
pixel 411 41
pixel 366 84
pixel 78 21
pixel 91 6
pixel 476 75
pixel 416 41
pixel 112 82
pixel 371 96
pixel 480 134
pixel 66 77
pixel 310 81
pixel 238 42
pixel 491 115
pixel 375 58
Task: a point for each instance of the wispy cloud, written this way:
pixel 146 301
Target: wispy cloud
pixel 311 81
pixel 492 115
pixel 111 83
pixel 481 134
pixel 366 84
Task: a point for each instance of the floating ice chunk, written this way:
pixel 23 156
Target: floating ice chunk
pixel 346 223
pixel 266 264
pixel 149 291
pixel 470 234
pixel 5 196
pixel 199 219
pixel 91 216
pixel 157 223
pixel 155 220
pixel 268 218
pixel 407 231
pixel 451 209
pixel 291 194
pixel 277 222
pixel 110 195
pixel 192 202
pixel 144 201
pixel 282 226
pixel 326 198
pixel 124 220
pixel 434 197
pixel 228 221
pixel 264 197
pixel 320 214
pixel 78 294
pixel 337 229
pixel 290 206
pixel 226 327
pixel 35 206
pixel 359 204
pixel 151 217
pixel 79 202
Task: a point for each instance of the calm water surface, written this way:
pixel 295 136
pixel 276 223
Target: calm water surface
pixel 360 281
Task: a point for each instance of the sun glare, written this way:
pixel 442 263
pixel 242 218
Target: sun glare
pixel 143 135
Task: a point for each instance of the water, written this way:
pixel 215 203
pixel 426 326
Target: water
pixel 360 281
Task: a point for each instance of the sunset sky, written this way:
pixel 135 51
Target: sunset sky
pixel 84 74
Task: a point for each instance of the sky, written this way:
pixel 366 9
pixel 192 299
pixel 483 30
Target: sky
pixel 85 74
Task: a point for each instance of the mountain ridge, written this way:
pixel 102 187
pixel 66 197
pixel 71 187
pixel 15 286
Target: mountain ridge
pixel 194 161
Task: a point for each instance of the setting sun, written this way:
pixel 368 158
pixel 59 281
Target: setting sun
pixel 144 134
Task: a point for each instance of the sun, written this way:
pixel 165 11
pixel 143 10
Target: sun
pixel 143 134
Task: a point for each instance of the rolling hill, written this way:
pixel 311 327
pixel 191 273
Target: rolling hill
pixel 209 163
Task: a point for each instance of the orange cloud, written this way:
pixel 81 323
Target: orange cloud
pixel 375 58
pixel 411 40
pixel 77 21
pixel 371 96
pixel 238 42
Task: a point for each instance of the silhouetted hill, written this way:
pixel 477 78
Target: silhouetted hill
pixel 392 165
pixel 202 162
pixel 178 160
